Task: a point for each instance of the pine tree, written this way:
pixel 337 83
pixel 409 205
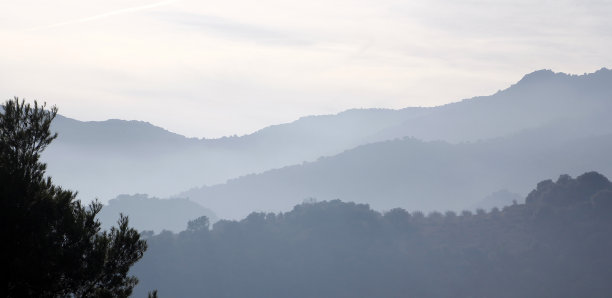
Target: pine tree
pixel 53 245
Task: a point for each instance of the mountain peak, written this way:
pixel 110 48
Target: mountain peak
pixel 547 74
pixel 546 78
pixel 538 75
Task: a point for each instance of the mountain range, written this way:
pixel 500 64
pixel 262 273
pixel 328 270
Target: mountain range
pixel 418 158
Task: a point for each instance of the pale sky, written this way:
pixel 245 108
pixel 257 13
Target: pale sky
pixel 214 68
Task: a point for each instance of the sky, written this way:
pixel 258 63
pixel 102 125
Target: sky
pixel 217 68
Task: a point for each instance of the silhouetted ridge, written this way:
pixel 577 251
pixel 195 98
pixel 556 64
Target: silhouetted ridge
pixel 568 191
pixel 115 151
pixel 414 174
pixel 547 76
pixel 538 76
pixel 112 131
pixel 153 214
pixel 556 245
pixel 544 83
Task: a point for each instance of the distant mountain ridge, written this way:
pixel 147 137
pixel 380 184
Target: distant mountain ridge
pixel 554 243
pixel 538 98
pixel 103 159
pixel 153 214
pixel 159 162
pixel 412 174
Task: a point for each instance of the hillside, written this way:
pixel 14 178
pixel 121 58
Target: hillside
pixel 137 157
pixel 538 99
pixel 417 175
pixel 554 244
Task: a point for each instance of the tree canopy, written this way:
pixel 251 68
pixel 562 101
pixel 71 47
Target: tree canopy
pixel 53 245
pixel 556 244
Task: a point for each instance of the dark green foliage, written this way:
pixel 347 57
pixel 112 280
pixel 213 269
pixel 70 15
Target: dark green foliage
pixel 53 246
pixel 557 244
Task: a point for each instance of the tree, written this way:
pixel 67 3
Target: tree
pixel 53 245
pixel 199 224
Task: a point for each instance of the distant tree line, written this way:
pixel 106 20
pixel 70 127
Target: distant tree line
pixel 556 244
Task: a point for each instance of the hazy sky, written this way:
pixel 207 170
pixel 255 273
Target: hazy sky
pixel 213 68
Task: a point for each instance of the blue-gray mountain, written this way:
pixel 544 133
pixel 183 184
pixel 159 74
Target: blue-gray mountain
pixel 542 124
pixel 547 123
pixel 413 174
pixel 555 243
pixel 137 157
pixel 153 214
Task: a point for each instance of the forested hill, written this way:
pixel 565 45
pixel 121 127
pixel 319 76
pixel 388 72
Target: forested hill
pixel 556 244
pixel 153 214
pixel 137 157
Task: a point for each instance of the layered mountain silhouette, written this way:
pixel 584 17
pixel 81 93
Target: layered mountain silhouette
pixel 137 157
pixel 153 214
pixel 452 155
pixel 554 243
pixel 545 124
pixel 413 174
pixel 538 99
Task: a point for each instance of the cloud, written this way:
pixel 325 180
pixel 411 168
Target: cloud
pixel 104 15
pixel 227 28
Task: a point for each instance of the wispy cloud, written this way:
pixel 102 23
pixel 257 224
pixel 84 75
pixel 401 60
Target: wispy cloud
pixel 103 15
pixel 227 28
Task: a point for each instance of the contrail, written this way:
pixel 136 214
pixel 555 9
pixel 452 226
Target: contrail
pixel 104 15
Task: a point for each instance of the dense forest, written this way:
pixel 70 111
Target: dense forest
pixel 555 244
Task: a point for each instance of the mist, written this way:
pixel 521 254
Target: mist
pixel 441 158
pixel 183 148
pixel 455 200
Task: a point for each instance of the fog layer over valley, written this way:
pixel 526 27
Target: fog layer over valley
pixel 413 174
pixel 561 125
pixel 365 203
pixel 306 149
pixel 449 157
pixel 137 157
